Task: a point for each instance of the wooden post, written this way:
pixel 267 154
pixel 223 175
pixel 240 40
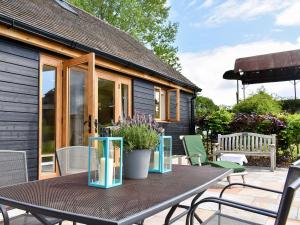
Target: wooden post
pixel 273 156
pixel 237 92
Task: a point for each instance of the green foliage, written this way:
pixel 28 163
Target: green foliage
pixel 260 103
pixel 139 132
pixel 145 20
pixel 204 106
pixel 219 121
pixel 137 137
pixel 292 131
pixel 290 105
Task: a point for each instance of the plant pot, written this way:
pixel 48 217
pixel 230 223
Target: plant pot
pixel 136 164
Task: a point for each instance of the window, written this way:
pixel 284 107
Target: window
pixel 124 101
pixel 157 103
pixel 166 104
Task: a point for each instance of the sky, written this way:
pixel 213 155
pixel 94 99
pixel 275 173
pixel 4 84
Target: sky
pixel 213 33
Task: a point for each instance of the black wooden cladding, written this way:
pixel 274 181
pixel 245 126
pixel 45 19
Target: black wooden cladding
pixel 143 102
pixel 19 88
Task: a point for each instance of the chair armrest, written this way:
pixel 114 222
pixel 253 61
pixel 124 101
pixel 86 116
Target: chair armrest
pixel 4 214
pixel 248 185
pixel 195 156
pixel 236 205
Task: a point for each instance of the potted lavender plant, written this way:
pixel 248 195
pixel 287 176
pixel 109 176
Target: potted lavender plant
pixel 141 135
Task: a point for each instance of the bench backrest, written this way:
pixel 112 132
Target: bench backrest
pixel 246 142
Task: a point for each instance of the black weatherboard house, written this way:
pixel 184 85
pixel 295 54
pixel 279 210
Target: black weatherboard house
pixel 65 75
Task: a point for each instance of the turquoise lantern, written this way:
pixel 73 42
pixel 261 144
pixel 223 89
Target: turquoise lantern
pixel 105 161
pixel 161 157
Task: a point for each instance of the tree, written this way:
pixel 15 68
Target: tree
pixel 204 106
pixel 259 103
pixel 145 20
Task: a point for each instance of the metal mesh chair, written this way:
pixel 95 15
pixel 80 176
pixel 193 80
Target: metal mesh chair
pixel 292 183
pixel 13 170
pixel 73 159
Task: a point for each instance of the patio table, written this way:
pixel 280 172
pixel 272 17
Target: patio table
pixel 70 198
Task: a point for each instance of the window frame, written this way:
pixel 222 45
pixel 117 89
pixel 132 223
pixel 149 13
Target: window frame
pixel 167 105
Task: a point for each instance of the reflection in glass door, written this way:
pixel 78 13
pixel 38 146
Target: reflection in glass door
pixel 114 99
pixel 79 102
pixel 106 102
pixel 124 101
pixel 78 108
pixel 48 119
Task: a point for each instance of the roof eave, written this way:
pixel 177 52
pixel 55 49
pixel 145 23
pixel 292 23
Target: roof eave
pixel 33 30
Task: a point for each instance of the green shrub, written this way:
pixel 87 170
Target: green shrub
pixel 218 121
pixel 204 106
pixel 290 105
pixel 260 103
pixel 292 131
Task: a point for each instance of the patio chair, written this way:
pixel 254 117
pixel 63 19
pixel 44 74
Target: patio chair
pixel 292 183
pixel 72 160
pixel 196 155
pixel 13 170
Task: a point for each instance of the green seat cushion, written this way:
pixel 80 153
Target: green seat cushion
pixel 194 146
pixel 237 168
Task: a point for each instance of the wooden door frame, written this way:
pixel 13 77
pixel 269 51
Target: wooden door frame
pixel 118 79
pixel 57 63
pixel 91 86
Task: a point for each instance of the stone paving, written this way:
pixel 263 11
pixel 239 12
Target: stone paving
pixel 257 176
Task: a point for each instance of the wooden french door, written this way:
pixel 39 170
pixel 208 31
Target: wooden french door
pixel 50 114
pixel 114 98
pixel 80 118
pixel 68 107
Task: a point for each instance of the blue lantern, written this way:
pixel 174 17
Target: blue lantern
pixel 161 157
pixel 105 161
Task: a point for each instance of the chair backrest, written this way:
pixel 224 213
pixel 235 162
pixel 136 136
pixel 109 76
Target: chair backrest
pixel 245 141
pixel 72 159
pixel 13 167
pixel 292 183
pixel 193 145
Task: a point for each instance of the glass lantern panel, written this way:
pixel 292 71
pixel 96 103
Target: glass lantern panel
pixel 96 151
pixel 167 148
pixel 114 165
pixel 154 160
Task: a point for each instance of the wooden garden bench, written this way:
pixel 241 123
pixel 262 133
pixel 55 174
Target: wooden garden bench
pixel 249 144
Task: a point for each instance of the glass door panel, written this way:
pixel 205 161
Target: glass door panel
pixel 106 102
pixel 50 114
pixel 78 116
pixel 124 101
pixel 48 119
pixel 79 104
pixel 114 99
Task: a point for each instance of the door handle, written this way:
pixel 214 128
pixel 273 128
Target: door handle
pixel 90 124
pixel 96 125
